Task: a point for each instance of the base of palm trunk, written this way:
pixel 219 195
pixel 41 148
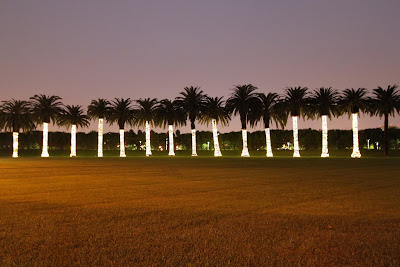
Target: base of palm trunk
pixel 356 155
pixel 270 155
pixel 217 154
pixel 324 155
pixel 245 153
pixel 15 145
pixel 122 156
pixel 72 156
pixel 194 155
pixel 296 154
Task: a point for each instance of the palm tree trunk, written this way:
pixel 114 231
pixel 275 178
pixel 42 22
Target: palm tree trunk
pixel 194 146
pixel 171 140
pixel 268 143
pixel 325 152
pixel 73 141
pixel 100 139
pixel 356 149
pixel 245 151
pixel 121 143
pixel 45 153
pixel 385 137
pixel 217 151
pixel 148 144
pixel 15 144
pixel 296 152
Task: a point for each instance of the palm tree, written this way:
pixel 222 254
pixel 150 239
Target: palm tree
pixel 192 101
pixel 99 109
pixel 45 109
pixel 121 112
pixel 216 113
pixel 73 116
pixel 269 109
pixel 385 103
pixel 295 103
pixel 324 103
pixel 352 102
pixel 240 102
pixel 170 113
pixel 145 114
pixel 15 116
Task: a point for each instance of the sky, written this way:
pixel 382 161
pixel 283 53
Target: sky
pixel 83 50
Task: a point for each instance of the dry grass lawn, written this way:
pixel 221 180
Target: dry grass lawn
pixel 199 211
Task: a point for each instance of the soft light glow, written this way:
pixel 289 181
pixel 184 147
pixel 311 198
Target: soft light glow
pixel 171 140
pixel 268 141
pixel 245 151
pixel 194 147
pixel 100 139
pixel 296 152
pixel 217 151
pixel 73 141
pixel 148 144
pixel 356 150
pixel 45 153
pixel 15 144
pixel 325 153
pixel 121 143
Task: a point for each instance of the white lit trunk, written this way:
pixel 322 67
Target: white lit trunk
pixel 100 139
pixel 45 152
pixel 171 140
pixel 122 143
pixel 217 151
pixel 296 152
pixel 73 141
pixel 194 146
pixel 268 142
pixel 245 151
pixel 356 149
pixel 15 144
pixel 148 144
pixel 325 152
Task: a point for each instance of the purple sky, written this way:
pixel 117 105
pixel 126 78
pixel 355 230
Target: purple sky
pixel 81 50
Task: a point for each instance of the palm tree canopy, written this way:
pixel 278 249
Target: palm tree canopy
pixel 270 108
pixel 146 110
pixel 15 115
pixel 385 102
pixel 121 112
pixel 170 113
pixel 241 100
pixel 46 108
pixel 73 115
pixel 295 100
pixel 323 101
pixel 193 102
pixel 99 109
pixel 215 109
pixel 354 100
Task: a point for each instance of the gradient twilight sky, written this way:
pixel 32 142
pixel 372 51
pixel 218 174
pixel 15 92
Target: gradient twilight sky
pixel 82 50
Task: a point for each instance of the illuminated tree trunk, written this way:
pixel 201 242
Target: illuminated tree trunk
pixel 325 153
pixel 356 150
pixel 171 140
pixel 296 152
pixel 268 143
pixel 148 144
pixel 122 143
pixel 245 151
pixel 194 146
pixel 15 144
pixel 45 153
pixel 73 141
pixel 100 139
pixel 217 151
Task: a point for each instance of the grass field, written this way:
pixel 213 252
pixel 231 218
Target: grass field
pixel 199 211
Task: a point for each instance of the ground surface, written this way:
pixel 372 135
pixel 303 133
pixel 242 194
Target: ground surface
pixel 182 210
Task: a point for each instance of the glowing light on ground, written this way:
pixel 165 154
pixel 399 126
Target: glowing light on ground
pixel 245 151
pixel 100 139
pixel 122 143
pixel 356 149
pixel 325 152
pixel 45 152
pixel 73 141
pixel 194 147
pixel 171 140
pixel 268 142
pixel 148 144
pixel 15 144
pixel 217 151
pixel 296 152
